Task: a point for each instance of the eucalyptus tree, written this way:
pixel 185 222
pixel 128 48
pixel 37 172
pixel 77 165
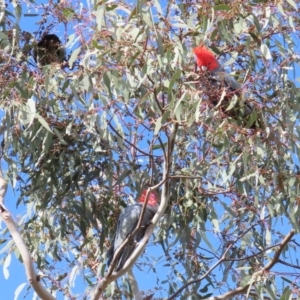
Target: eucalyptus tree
pixel 82 138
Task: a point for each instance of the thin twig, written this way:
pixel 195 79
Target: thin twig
pixel 253 255
pixel 241 290
pixel 287 264
pixel 223 258
pixel 115 131
pixel 155 95
pixel 272 262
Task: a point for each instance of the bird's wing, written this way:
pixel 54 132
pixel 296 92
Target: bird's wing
pixel 137 237
pixel 231 82
pixel 225 79
pixel 127 223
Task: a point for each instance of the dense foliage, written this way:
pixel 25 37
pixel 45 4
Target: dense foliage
pixel 80 142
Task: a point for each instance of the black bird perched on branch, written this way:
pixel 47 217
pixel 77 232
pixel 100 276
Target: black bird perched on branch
pixel 49 50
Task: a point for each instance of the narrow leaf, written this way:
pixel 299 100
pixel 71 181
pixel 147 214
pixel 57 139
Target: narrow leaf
pixel 265 51
pixel 221 7
pixel 43 122
pixel 74 56
pixel 6 265
pixel 157 125
pixel 292 3
pixel 19 290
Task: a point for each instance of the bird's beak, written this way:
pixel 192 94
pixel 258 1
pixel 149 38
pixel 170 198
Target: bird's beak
pixel 204 68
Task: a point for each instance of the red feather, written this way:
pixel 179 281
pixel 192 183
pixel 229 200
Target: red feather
pixel 153 198
pixel 205 58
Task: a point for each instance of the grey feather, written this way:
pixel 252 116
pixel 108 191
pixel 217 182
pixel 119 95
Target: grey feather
pixel 127 222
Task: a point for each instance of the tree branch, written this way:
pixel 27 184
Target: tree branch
pixel 155 95
pixel 132 145
pixel 288 264
pixel 29 268
pixel 241 290
pixel 254 255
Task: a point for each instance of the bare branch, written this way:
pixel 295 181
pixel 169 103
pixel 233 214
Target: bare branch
pixel 132 145
pixel 287 264
pixel 241 290
pixel 254 255
pixel 155 95
pixel 29 268
pixel 275 259
pixel 223 258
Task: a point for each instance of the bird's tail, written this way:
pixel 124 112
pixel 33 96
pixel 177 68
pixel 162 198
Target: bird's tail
pixel 124 256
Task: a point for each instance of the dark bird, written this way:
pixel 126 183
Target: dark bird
pixel 216 79
pixel 127 222
pixel 49 50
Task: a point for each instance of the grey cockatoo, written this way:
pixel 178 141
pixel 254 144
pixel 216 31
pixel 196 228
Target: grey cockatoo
pixel 127 222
